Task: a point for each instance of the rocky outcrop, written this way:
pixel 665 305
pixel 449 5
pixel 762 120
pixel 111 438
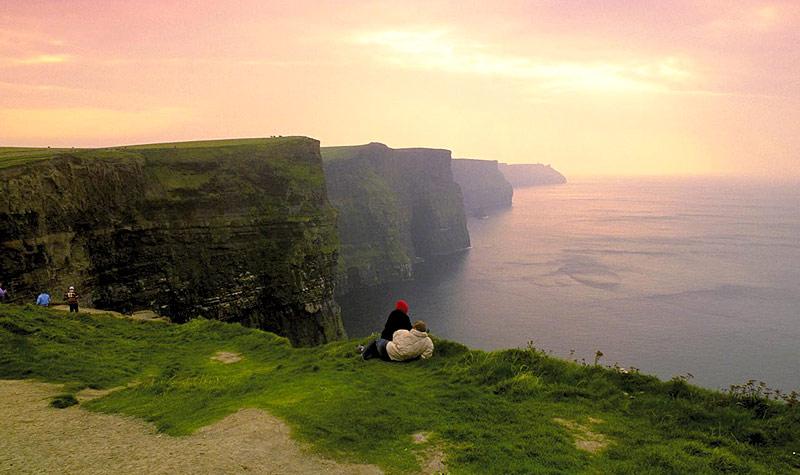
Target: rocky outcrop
pixel 531 174
pixel 484 188
pixel 397 207
pixel 236 230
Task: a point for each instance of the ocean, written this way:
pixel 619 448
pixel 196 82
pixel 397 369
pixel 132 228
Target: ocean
pixel 670 276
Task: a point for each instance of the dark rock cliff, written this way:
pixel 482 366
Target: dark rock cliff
pixel 237 230
pixel 531 174
pixel 483 186
pixel 396 208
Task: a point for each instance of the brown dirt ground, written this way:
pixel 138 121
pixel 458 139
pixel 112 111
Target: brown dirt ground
pixel 140 315
pixel 585 438
pixel 35 438
pixel 432 459
pixel 227 357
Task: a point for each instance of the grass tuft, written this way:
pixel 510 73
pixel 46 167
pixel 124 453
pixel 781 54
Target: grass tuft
pixel 63 401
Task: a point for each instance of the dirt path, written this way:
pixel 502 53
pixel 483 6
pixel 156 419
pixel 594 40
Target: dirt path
pixel 35 438
pixel 140 315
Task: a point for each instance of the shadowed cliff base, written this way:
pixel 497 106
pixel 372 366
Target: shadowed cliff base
pixel 236 230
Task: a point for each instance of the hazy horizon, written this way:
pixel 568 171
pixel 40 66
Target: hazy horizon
pixel 597 88
pixel 660 274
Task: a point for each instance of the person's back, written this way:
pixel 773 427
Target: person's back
pixel 398 320
pixel 43 299
pixel 410 344
pixel 72 299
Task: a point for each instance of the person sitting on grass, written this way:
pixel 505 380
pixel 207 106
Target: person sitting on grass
pixel 406 345
pixel 398 320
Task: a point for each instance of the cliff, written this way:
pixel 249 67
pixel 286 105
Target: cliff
pixel 237 230
pixel 396 208
pixel 483 185
pixel 531 174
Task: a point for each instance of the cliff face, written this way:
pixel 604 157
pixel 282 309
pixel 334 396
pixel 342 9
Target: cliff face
pixel 531 174
pixel 483 186
pixel 235 230
pixel 396 207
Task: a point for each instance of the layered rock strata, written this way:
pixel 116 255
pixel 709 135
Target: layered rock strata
pixel 237 230
pixel 484 187
pixel 397 207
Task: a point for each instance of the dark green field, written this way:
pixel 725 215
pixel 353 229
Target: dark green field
pixel 489 412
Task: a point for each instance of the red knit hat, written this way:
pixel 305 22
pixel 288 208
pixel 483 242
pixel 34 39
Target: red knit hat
pixel 402 306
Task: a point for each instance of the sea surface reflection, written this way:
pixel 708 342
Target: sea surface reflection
pixel 670 276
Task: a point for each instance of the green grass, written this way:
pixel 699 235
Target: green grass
pixel 275 141
pixel 489 412
pixel 63 401
pixel 16 156
pixel 346 152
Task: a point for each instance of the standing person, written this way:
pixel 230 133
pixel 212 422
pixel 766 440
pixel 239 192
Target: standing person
pixel 3 293
pixel 72 299
pixel 398 320
pixel 43 299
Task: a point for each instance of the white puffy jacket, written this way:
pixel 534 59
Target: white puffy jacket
pixel 408 344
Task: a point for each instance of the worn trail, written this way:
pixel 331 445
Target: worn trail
pixel 35 438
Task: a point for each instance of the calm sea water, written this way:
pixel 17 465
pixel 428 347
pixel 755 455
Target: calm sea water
pixel 669 276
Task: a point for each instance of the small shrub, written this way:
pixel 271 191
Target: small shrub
pixel 726 462
pixel 756 437
pixel 678 388
pixel 520 386
pixel 63 401
pixel 696 449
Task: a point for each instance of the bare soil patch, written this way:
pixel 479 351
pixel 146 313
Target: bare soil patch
pixel 140 315
pixel 585 438
pixel 432 458
pixel 227 357
pixel 35 438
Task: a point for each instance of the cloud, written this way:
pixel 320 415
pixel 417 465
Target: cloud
pixel 44 59
pixel 439 50
pixel 65 125
pixel 19 47
pixel 759 18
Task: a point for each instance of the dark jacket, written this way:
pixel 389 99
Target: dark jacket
pixel 397 321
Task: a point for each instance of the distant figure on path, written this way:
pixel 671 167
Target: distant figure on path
pixel 43 299
pixel 72 299
pixel 398 320
pixel 3 293
pixel 405 345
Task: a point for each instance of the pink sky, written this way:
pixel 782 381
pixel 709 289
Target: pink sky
pixel 592 87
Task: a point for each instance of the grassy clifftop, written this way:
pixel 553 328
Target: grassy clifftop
pixel 16 156
pixel 237 230
pixel 513 411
